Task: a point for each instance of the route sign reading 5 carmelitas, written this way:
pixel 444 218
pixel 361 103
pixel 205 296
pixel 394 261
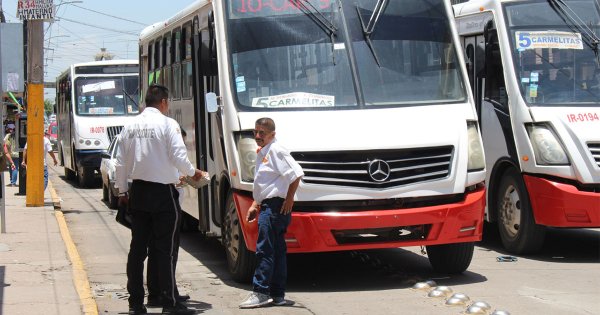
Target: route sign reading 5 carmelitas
pixel 35 10
pixel 548 39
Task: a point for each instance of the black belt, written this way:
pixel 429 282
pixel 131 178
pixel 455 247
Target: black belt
pixel 273 199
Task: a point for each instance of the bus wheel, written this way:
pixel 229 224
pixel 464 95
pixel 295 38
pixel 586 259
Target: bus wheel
pixel 518 231
pixel 85 176
pixel 240 260
pixel 69 174
pixel 450 258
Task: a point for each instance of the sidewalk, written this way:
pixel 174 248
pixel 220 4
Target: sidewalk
pixel 36 274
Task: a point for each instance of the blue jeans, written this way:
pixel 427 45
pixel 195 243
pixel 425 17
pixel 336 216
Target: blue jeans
pixel 270 275
pixel 14 174
pixel 45 176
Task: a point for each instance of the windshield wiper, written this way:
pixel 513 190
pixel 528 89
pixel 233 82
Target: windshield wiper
pixel 130 97
pixel 369 28
pixel 576 23
pixel 318 17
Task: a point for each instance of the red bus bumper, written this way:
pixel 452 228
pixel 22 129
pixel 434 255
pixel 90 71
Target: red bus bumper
pixel 320 232
pixel 562 205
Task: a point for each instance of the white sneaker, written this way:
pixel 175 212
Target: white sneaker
pixel 256 299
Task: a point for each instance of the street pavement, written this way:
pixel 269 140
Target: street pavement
pixel 36 274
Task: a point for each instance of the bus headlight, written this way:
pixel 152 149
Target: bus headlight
pixel 476 157
pixel 247 153
pixel 547 148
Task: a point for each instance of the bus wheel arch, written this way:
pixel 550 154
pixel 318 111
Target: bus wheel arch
pixel 240 261
pixel 514 216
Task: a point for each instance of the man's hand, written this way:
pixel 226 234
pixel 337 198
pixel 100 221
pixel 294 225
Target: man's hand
pixel 252 213
pixel 199 174
pixel 286 208
pixel 123 201
pixel 55 162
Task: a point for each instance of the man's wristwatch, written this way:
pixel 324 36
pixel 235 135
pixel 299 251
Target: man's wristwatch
pixel 125 194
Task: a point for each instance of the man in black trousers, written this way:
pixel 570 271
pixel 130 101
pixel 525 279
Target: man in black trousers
pixel 152 154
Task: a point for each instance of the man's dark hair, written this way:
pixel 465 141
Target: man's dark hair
pixel 266 122
pixel 155 94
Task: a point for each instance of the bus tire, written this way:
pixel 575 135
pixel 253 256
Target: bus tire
pixel 240 261
pixel 516 225
pixel 69 174
pixel 85 176
pixel 450 258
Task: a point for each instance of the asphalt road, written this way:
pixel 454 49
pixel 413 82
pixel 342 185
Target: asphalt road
pixel 563 279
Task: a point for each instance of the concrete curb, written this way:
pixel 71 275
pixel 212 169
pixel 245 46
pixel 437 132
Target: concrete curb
pixel 80 278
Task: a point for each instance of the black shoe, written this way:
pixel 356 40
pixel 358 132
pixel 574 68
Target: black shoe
pixel 156 301
pixel 137 310
pixel 178 309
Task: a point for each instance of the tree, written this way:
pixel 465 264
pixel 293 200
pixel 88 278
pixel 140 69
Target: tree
pixel 48 107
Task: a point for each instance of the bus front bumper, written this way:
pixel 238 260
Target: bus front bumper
pixel 562 205
pixel 369 229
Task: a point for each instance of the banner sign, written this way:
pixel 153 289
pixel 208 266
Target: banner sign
pixel 548 39
pixel 296 99
pixel 36 10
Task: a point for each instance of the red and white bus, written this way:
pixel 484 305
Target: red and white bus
pixel 369 97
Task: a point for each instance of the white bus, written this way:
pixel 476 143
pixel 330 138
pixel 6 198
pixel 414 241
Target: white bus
pixel 93 102
pixel 534 70
pixel 369 97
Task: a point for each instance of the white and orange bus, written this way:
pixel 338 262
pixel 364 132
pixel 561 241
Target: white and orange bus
pixel 369 97
pixel 93 102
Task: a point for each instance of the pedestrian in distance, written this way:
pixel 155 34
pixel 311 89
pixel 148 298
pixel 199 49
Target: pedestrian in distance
pixel 47 150
pixel 11 153
pixel 152 154
pixel 276 180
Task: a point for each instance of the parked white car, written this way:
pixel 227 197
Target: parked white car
pixel 107 170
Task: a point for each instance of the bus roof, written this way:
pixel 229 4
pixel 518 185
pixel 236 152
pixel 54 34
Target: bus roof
pixel 476 6
pixel 99 63
pixel 160 26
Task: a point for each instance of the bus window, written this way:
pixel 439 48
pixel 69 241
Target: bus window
pixel 495 89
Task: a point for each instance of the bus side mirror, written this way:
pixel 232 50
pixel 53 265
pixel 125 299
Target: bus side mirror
pixel 211 102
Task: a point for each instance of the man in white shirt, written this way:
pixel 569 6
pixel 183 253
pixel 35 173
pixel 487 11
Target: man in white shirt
pixel 47 150
pixel 275 182
pixel 152 154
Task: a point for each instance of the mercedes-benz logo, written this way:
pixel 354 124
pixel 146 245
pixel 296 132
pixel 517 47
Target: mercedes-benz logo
pixel 379 170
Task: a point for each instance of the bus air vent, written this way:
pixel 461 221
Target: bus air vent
pixel 113 131
pixel 595 150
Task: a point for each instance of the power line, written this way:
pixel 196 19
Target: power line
pixel 106 14
pixel 100 27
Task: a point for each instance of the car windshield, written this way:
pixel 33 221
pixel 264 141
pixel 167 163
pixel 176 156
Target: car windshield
pixel 555 56
pixel 112 96
pixel 326 54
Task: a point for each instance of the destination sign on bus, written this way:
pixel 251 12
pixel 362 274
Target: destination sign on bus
pixel 297 99
pixel 548 39
pixel 262 8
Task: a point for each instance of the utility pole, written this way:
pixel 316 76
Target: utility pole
pixel 35 12
pixel 35 114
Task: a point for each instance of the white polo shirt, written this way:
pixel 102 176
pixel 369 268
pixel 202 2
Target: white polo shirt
pixel 275 170
pixel 151 149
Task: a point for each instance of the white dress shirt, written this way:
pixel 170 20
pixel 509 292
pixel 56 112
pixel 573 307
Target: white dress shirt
pixel 151 149
pixel 275 170
pixel 47 148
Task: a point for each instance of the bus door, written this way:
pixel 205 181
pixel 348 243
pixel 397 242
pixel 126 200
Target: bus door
pixel 202 127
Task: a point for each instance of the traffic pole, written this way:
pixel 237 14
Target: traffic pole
pixel 35 114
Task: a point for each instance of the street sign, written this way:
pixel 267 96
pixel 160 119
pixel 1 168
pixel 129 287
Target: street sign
pixel 36 10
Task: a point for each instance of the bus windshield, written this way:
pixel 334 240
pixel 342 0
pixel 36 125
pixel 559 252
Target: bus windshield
pixel 341 54
pixel 106 96
pixel 555 51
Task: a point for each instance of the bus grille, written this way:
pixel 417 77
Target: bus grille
pixel 113 131
pixel 375 169
pixel 595 150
